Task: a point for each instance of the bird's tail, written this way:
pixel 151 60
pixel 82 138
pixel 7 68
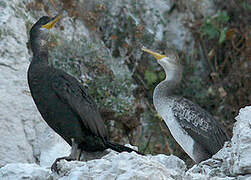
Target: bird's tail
pixel 120 148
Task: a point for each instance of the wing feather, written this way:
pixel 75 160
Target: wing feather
pixel 199 124
pixel 71 92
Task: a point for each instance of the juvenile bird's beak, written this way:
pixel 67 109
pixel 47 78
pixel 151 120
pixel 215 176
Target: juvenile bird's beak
pixel 53 21
pixel 154 54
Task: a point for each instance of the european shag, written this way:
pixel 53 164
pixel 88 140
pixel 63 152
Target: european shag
pixel 192 127
pixel 63 102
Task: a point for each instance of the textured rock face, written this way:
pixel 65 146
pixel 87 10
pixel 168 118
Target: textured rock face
pixel 16 110
pixel 241 143
pixel 24 171
pixel 121 166
pixel 124 166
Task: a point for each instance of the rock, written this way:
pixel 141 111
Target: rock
pixel 24 171
pixel 241 142
pixel 124 166
pixel 17 112
pixel 51 147
pixel 120 166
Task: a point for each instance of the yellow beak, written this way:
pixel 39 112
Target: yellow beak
pixel 154 54
pixel 50 24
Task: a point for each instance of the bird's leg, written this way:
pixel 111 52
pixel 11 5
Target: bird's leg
pixel 78 154
pixel 74 151
pixel 75 155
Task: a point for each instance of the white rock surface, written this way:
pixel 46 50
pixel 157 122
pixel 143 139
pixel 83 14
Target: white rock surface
pixel 241 142
pixel 16 106
pixel 124 166
pixel 24 171
pixel 51 147
pixel 176 31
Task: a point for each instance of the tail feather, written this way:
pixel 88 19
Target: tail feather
pixel 120 148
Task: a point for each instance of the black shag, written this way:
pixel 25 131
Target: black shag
pixel 193 128
pixel 62 101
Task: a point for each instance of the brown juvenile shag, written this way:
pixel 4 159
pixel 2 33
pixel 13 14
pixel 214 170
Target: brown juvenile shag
pixel 62 101
pixel 192 127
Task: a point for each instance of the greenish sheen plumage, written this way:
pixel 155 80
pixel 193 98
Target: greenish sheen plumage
pixel 63 102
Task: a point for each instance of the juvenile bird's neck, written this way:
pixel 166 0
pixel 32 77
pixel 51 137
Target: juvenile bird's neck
pixel 165 88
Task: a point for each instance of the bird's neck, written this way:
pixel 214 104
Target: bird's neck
pixel 165 88
pixel 40 53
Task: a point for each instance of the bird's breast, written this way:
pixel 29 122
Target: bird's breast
pixel 164 108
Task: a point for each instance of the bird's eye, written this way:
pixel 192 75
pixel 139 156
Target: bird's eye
pixel 44 29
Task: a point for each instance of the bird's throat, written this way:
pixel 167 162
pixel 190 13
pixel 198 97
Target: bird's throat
pixel 166 88
pixel 40 52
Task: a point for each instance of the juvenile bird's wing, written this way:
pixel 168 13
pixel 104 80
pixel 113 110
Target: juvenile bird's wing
pixel 200 125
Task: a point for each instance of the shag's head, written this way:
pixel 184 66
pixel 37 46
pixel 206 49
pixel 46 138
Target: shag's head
pixel 169 62
pixel 39 31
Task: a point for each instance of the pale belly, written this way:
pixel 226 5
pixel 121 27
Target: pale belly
pixel 179 134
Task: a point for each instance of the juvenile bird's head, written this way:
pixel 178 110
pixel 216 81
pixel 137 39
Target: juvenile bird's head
pixel 169 62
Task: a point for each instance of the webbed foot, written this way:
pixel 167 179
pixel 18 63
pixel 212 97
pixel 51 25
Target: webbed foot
pixel 54 167
pixel 75 155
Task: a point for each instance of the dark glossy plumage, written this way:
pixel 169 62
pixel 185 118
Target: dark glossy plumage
pixel 66 107
pixel 62 101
